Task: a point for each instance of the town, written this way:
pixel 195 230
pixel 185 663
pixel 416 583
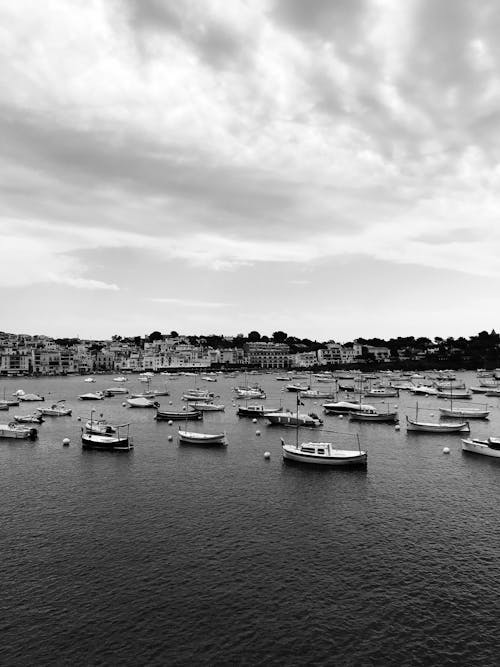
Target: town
pixel 22 354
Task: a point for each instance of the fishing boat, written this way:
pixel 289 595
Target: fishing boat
pixel 256 410
pixel 465 412
pixel 382 392
pixel 178 415
pixel 289 418
pixel 30 397
pixel 142 402
pixel 99 426
pixel 34 418
pixel 435 427
pixel 297 387
pixel 323 453
pixel 198 395
pixel 193 438
pixel 56 410
pixel 488 447
pixel 4 406
pixel 118 441
pixel 15 431
pixel 92 396
pixel 317 393
pixel 456 394
pixel 387 417
pixel 253 392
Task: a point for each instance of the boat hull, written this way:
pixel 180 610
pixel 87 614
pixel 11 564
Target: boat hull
pixel 464 414
pixel 480 447
pixel 189 438
pixel 387 417
pixel 108 443
pixel 430 427
pixel 290 419
pixel 178 416
pixel 12 433
pixel 290 453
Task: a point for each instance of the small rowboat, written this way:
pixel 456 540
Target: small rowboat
pixel 192 438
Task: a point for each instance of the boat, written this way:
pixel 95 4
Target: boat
pixel 289 418
pixel 479 390
pixel 208 407
pixel 4 406
pixel 297 387
pixel 115 391
pixel 209 378
pixel 198 395
pixel 193 438
pixel 177 415
pixel 252 392
pixel 92 396
pixel 34 418
pixel 322 453
pixel 388 417
pixel 120 378
pixel 487 447
pixel 436 427
pixel 424 390
pixel 457 394
pixel 256 410
pixel 89 380
pixel 382 392
pixel 142 402
pixel 15 431
pixel 347 407
pixel 317 393
pixel 118 441
pixel 55 410
pixel 30 397
pixel 99 426
pixel 492 392
pixel 465 412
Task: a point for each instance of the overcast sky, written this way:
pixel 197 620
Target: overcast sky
pixel 326 167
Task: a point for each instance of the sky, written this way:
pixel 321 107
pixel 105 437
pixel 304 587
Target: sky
pixel 328 168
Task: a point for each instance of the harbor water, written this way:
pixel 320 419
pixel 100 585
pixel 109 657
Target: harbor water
pixel 175 554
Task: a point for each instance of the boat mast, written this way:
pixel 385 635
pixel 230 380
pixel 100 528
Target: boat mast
pixel 297 422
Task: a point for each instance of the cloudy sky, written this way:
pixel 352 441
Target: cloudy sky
pixel 330 168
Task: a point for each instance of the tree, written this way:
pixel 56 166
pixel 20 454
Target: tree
pixel 155 335
pixel 280 336
pixel 253 336
pixel 174 334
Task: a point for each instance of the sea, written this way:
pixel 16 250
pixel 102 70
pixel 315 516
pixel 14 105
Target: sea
pixel 175 554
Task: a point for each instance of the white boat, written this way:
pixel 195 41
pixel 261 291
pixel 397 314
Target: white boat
pixel 30 397
pixel 322 453
pixel 388 417
pixel 297 387
pixel 456 394
pixel 347 407
pixel 289 418
pixel 193 438
pixel 488 447
pixel 99 427
pixel 15 431
pixel 92 396
pixel 209 378
pixel 198 395
pixel 89 380
pixel 436 427
pixel 317 393
pixel 34 418
pixel 382 392
pixel 423 390
pixel 178 415
pixel 465 413
pixel 253 392
pixel 255 410
pixel 492 392
pixel 208 407
pixel 56 410
pixel 120 378
pixel 142 402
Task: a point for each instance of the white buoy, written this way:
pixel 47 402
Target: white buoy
pixel 124 405
pixel 396 406
pixel 267 455
pixel 169 438
pixel 341 416
pixel 257 432
pixel 446 450
pixel 170 422
pixel 397 427
pixel 432 414
pixel 254 421
pixel 66 442
pixel 170 402
pixel 79 419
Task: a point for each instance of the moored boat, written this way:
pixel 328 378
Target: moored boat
pixel 92 396
pixel 15 431
pixel 347 407
pixel 436 427
pixel 142 402
pixel 34 418
pixel 322 453
pixel 256 410
pixel 193 438
pixel 178 415
pixel 487 447
pixel 118 441
pixel 208 407
pixel 388 417
pixel 288 418
pixel 56 410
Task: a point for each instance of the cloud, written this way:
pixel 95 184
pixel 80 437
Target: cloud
pixel 189 303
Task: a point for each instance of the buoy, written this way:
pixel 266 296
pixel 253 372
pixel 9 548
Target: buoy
pixel 396 406
pixel 397 427
pixel 79 419
pixel 124 405
pixel 257 432
pixel 170 402
pixel 341 416
pixel 267 455
pixel 66 442
pixel 169 438
pixel 432 414
pixel 170 422
pixel 446 450
pixel 254 421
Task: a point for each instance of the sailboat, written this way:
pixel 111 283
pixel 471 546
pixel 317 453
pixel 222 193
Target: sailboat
pixel 435 427
pixel 461 412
